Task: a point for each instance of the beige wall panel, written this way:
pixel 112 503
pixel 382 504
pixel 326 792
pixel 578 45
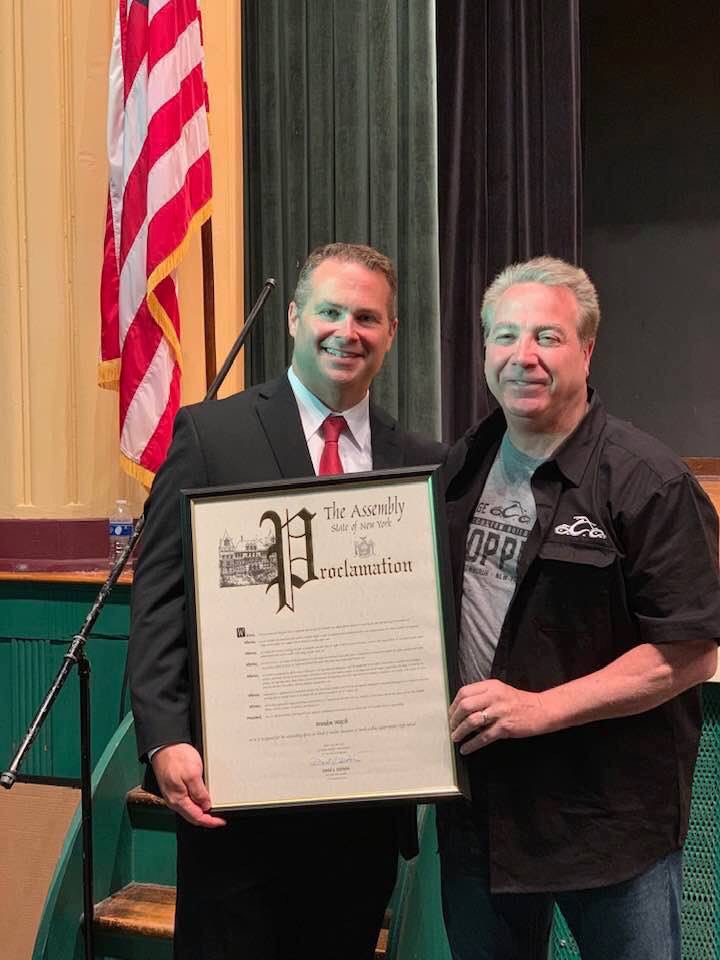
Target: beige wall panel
pixel 190 297
pixel 59 428
pixel 46 208
pixel 13 281
pixel 98 477
pixel 224 72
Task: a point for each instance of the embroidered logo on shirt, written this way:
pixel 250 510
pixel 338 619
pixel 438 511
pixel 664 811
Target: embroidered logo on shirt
pixel 582 527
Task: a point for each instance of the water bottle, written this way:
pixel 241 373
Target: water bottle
pixel 120 528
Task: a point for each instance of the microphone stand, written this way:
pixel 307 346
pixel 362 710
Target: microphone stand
pixel 75 655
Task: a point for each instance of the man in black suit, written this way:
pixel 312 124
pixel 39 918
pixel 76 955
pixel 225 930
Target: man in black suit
pixel 291 885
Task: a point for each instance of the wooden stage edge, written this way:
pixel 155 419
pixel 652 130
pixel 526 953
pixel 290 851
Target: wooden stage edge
pixel 67 576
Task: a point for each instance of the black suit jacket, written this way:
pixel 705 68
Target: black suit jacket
pixel 253 436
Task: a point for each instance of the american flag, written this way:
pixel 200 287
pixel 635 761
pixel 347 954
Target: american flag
pixel 159 196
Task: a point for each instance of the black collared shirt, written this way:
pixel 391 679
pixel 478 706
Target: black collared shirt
pixel 624 552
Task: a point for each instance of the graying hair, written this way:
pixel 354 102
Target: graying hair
pixel 366 256
pixel 554 273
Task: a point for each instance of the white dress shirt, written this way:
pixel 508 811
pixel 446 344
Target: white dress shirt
pixel 354 445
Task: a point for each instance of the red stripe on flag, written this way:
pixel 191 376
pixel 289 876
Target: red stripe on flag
pixel 168 121
pixel 168 227
pixel 141 343
pixel 157 446
pixel 166 26
pixel 135 43
pixel 134 203
pixel 202 41
pixel 163 132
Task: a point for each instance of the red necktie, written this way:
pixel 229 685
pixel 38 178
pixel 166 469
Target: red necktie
pixel 330 461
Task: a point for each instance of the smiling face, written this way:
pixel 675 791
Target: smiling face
pixel 342 331
pixel 535 363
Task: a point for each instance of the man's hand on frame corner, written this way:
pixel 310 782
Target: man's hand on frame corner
pixel 179 772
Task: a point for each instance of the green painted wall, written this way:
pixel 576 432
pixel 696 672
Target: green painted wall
pixel 37 622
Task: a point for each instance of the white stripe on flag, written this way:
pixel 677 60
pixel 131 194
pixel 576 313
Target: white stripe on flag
pixel 133 281
pixel 137 118
pixel 168 175
pixel 148 404
pixel 115 132
pixel 167 74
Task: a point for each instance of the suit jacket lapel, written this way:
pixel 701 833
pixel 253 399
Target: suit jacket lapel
pixel 280 419
pixel 384 437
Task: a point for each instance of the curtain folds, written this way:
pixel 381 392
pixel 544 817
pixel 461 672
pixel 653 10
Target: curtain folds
pixel 510 178
pixel 341 144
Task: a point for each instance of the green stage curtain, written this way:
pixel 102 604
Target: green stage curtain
pixel 340 144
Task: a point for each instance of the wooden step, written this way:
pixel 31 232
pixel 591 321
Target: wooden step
pixel 148 910
pixel 142 798
pixel 139 909
pixel 381 947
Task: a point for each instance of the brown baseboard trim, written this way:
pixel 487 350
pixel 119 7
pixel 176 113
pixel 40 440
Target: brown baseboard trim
pixel 704 466
pixel 28 546
pixel 73 782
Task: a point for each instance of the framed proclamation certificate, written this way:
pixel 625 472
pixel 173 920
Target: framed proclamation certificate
pixel 319 612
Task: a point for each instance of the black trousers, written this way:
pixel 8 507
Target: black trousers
pixel 288 886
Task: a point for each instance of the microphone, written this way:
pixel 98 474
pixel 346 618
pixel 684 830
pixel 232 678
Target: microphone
pixel 267 289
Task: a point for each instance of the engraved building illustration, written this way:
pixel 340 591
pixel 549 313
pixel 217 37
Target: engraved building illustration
pixel 245 562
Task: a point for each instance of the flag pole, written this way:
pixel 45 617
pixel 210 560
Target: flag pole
pixel 208 272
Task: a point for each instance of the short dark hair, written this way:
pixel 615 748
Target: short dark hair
pixel 349 253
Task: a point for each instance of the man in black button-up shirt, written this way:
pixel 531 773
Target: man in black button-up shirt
pixel 586 572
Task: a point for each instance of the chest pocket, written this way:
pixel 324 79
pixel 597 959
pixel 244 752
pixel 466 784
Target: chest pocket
pixel 573 586
pixel 570 633
pixel 583 552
